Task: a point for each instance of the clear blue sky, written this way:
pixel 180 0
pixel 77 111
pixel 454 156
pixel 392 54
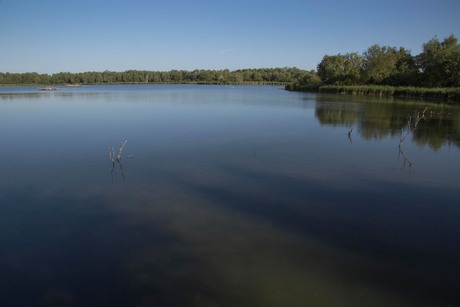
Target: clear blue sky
pixel 51 36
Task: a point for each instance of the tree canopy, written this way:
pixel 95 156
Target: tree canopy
pixel 438 65
pixel 340 69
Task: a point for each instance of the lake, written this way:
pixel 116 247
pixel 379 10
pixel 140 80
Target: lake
pixel 226 196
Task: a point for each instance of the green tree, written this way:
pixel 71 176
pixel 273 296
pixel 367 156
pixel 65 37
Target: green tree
pixel 386 65
pixel 379 64
pixel 310 78
pixel 439 63
pixel 176 76
pixel 407 72
pixel 340 69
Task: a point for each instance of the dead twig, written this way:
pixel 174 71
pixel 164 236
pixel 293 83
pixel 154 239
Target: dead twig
pixel 406 160
pixel 111 155
pixel 120 150
pixel 117 159
pixel 411 128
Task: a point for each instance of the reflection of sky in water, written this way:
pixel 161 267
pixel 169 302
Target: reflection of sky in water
pixel 235 196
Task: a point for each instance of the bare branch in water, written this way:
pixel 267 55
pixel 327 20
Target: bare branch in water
pixel 349 135
pixel 117 159
pixel 406 160
pixel 111 155
pixel 120 151
pixel 122 170
pixel 411 129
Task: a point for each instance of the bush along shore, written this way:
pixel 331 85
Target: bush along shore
pixel 451 95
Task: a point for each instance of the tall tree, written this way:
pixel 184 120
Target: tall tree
pixel 407 72
pixel 389 66
pixel 379 64
pixel 439 62
pixel 340 69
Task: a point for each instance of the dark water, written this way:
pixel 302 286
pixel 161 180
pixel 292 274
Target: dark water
pixel 233 196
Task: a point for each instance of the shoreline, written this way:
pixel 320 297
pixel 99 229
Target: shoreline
pixel 153 83
pixel 447 95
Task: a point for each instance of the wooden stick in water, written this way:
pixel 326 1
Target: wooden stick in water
pixel 122 145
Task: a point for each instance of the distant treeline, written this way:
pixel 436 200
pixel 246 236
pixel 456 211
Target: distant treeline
pixel 242 76
pixel 437 66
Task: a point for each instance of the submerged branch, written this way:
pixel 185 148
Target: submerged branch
pixel 410 128
pixel 117 159
pixel 406 160
pixel 120 150
pixel 349 135
pixel 111 155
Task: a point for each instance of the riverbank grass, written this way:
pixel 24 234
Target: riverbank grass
pixel 444 94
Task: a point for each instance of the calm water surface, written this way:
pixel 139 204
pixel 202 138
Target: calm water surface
pixel 233 196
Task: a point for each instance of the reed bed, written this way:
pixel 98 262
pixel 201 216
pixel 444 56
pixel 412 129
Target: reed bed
pixel 451 94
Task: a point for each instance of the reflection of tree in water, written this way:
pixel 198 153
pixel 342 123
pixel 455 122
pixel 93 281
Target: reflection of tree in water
pixel 377 121
pixel 437 130
pixel 338 114
pixel 374 120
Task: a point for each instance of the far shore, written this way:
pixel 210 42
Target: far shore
pixel 153 83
